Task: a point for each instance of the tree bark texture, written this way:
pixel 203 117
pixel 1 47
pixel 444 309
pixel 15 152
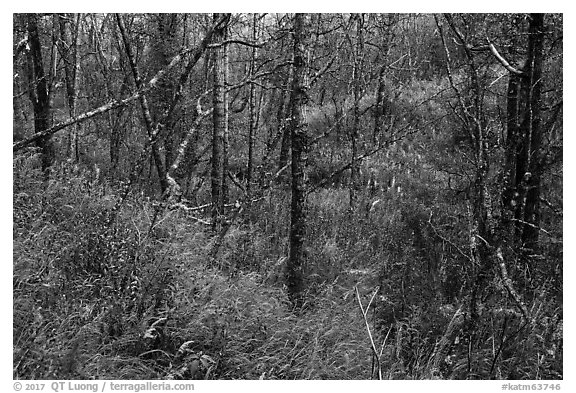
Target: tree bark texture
pixel 39 93
pixel 220 125
pixel 522 171
pixel 533 133
pixel 354 132
pixel 253 110
pixel 299 136
pixel 69 45
pixel 281 115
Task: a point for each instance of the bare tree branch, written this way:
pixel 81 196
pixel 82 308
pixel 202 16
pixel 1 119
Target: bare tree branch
pixel 174 189
pixel 509 285
pixel 240 42
pixel 502 60
pixel 83 117
pixel 195 52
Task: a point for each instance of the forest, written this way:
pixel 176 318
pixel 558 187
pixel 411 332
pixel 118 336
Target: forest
pixel 287 196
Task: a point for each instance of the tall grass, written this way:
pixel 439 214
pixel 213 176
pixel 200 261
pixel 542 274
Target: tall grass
pixel 141 298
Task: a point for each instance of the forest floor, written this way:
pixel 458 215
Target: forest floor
pixel 143 298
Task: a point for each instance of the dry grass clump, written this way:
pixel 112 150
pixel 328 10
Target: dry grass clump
pixel 250 330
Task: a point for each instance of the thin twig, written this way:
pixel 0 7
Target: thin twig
pixel 508 284
pixel 447 240
pixel 364 313
pixel 531 225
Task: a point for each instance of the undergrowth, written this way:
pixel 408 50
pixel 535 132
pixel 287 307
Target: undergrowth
pixel 136 295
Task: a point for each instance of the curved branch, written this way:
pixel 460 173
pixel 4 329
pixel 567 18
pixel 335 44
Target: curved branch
pixel 502 60
pixel 20 46
pixel 173 191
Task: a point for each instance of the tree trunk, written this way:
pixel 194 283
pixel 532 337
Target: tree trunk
pixel 39 95
pixel 226 150
pixel 194 53
pixel 355 131
pixel 379 106
pixel 164 48
pixel 513 143
pixel 220 125
pixel 69 44
pixel 481 225
pixel 53 72
pixel 380 111
pixel 283 108
pixel 145 107
pixel 253 110
pixel 533 133
pixel 522 170
pixel 299 137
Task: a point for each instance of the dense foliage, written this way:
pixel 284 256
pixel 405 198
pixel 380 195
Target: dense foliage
pixel 432 187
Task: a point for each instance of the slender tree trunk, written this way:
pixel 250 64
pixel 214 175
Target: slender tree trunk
pixel 69 43
pixel 522 171
pixel 53 72
pixel 39 93
pixel 117 131
pixel 208 63
pixel 253 110
pixel 379 106
pixel 226 112
pixel 513 143
pixel 283 108
pixel 164 47
pixel 355 131
pixel 19 121
pixel 188 143
pixel 299 137
pixel 533 133
pixel 220 125
pixel 115 143
pixel 481 221
pixel 338 115
pixel 144 103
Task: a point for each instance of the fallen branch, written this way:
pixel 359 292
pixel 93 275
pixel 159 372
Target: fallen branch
pixel 443 345
pixel 364 311
pixel 509 285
